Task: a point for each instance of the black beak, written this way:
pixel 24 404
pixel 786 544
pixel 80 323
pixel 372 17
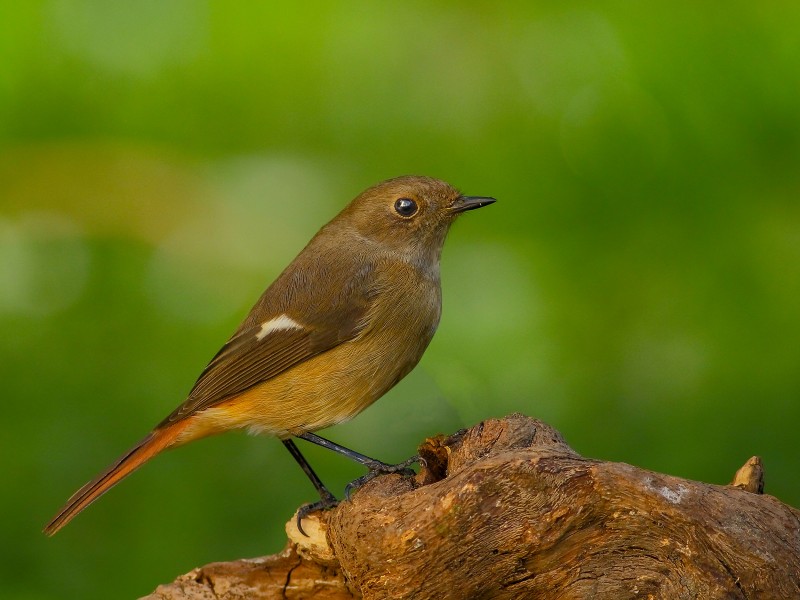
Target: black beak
pixel 465 203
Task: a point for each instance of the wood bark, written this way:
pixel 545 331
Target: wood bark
pixel 507 510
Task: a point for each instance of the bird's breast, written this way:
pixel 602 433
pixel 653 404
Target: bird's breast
pixel 336 385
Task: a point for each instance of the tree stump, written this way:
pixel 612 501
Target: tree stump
pixel 507 510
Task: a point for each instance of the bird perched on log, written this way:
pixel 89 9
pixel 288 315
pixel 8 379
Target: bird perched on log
pixel 345 321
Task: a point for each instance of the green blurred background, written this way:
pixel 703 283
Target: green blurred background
pixel 636 285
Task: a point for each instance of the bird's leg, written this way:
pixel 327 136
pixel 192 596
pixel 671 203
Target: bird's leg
pixel 375 467
pixel 327 500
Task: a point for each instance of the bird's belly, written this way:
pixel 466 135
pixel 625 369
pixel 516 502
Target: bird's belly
pixel 330 388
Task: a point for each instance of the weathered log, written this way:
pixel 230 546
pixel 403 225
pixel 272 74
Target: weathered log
pixel 507 510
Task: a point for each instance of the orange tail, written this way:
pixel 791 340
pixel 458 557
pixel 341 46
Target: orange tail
pixel 154 443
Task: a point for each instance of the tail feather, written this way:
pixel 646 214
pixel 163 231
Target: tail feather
pixel 146 449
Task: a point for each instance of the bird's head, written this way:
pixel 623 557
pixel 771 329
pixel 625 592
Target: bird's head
pixel 408 215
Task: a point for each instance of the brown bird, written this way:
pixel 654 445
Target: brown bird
pixel 344 322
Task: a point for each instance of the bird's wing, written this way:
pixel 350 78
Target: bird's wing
pixel 270 346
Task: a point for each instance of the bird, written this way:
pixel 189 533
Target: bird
pixel 348 318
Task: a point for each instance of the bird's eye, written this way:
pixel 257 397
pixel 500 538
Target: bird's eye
pixel 405 207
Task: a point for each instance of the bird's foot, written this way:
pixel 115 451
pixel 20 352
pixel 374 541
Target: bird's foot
pixel 377 468
pixel 326 502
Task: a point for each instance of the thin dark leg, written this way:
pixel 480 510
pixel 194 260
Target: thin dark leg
pixel 375 467
pixel 327 500
pixel 351 454
pixel 301 460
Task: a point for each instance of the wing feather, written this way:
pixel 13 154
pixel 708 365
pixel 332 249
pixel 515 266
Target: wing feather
pixel 248 359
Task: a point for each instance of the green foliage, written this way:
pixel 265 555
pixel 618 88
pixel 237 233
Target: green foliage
pixel 636 284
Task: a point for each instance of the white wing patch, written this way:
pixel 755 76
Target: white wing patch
pixel 276 324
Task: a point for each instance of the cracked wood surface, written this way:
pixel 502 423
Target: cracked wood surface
pixel 507 510
pixel 284 575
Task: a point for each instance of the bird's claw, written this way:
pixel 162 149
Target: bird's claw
pixel 377 468
pixel 324 503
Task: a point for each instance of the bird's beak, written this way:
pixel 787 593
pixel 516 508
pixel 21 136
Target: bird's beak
pixel 465 203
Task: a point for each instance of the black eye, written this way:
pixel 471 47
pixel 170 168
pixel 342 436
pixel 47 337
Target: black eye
pixel 405 207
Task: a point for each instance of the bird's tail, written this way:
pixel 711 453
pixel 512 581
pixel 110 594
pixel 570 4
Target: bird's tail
pixel 146 449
